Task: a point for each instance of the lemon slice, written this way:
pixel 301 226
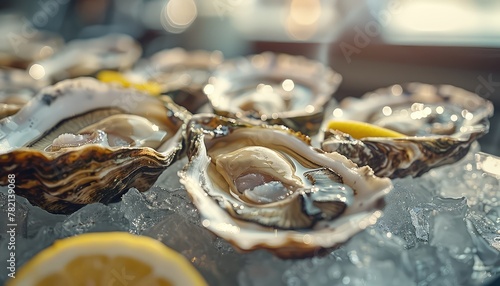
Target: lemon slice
pixel 360 130
pixel 116 77
pixel 108 259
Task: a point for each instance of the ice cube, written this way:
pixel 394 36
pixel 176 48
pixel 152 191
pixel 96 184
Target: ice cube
pixel 169 179
pixel 431 265
pixel 14 211
pixel 180 203
pixel 372 257
pixel 470 178
pixel 420 220
pixel 448 228
pixel 199 246
pixel 139 212
pixel 39 218
pixel 407 196
pixel 94 217
pixel 487 226
pixel 262 268
pixel 490 257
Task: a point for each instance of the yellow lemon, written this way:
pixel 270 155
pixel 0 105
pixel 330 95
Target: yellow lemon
pixel 108 259
pixel 360 130
pixel 116 77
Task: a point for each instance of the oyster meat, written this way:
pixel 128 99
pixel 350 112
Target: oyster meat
pixel 440 124
pixel 262 186
pixel 274 88
pixel 83 141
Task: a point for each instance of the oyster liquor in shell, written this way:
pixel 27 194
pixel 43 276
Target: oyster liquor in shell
pixel 83 141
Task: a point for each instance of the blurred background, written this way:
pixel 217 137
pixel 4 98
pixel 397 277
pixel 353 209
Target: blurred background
pixel 372 43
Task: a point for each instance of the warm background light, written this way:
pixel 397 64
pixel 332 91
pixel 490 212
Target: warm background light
pixel 178 15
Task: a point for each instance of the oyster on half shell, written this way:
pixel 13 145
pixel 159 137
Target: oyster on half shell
pixel 181 74
pixel 82 141
pixel 261 186
pixel 274 88
pixel 441 122
pixel 84 57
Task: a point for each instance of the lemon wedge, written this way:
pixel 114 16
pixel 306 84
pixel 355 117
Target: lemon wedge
pixel 108 258
pixel 358 129
pixel 116 77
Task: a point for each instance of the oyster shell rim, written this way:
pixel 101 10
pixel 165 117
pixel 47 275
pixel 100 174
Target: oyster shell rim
pixel 20 78
pixel 168 58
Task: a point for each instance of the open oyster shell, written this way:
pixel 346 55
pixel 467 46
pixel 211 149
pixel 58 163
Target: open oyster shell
pixel 83 141
pixel 181 74
pixel 441 123
pixel 83 57
pixel 275 88
pixel 261 186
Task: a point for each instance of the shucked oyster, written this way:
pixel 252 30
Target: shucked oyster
pixel 82 141
pixel 181 74
pixel 266 187
pixel 83 57
pixel 440 124
pixel 275 88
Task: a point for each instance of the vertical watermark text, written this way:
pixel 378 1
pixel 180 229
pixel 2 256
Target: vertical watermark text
pixel 11 225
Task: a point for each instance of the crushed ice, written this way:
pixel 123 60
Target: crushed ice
pixel 440 229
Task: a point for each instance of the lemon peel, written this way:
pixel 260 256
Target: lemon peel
pixel 116 77
pixel 358 129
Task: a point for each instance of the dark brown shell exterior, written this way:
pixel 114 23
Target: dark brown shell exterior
pixel 399 157
pixel 66 180
pixel 73 179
